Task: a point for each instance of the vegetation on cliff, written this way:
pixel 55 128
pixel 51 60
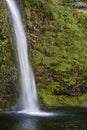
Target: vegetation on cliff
pixel 57 35
pixel 7 67
pixel 58 49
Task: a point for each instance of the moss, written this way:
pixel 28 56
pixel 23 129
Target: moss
pixel 83 97
pixel 8 73
pixel 69 100
pixel 60 67
pixel 58 47
pixel 47 98
pixel 36 58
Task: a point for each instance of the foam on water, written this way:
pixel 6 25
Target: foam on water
pixel 40 113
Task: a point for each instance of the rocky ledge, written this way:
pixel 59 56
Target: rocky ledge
pixel 81 5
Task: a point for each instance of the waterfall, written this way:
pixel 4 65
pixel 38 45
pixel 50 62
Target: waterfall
pixel 28 95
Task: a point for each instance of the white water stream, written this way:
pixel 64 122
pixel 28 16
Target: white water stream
pixel 28 95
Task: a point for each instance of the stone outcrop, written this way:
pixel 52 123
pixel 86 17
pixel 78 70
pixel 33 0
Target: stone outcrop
pixel 81 5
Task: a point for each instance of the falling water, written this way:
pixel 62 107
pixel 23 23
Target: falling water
pixel 28 95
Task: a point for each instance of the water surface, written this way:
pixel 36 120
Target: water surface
pixel 64 118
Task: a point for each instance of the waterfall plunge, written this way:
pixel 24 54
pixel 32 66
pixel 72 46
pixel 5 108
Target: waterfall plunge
pixel 28 95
